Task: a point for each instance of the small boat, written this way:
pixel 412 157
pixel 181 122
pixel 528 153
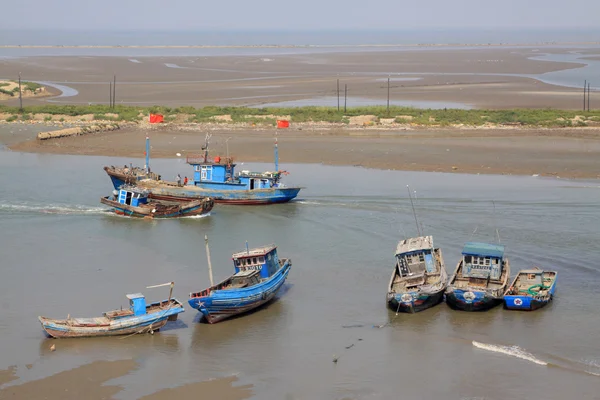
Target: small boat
pixel 480 278
pixel 259 274
pixel 531 289
pixel 138 318
pixel 215 178
pixel 135 202
pixel 419 278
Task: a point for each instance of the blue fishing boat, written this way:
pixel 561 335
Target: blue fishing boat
pixel 480 278
pixel 259 274
pixel 531 289
pixel 215 178
pixel 419 278
pixel 135 202
pixel 138 318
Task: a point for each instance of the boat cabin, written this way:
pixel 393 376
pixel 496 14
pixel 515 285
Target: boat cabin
pixel 414 256
pixel 264 260
pixel 137 303
pixel 132 196
pixel 221 172
pixel 482 261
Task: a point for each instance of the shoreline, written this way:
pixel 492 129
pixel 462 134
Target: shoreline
pixel 565 153
pixel 286 46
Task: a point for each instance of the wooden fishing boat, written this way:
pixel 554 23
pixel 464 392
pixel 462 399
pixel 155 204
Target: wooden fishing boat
pixel 211 177
pixel 135 202
pixel 259 274
pixel 480 278
pixel 531 289
pixel 419 278
pixel 138 318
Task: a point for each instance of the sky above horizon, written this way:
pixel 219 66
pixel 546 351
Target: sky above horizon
pixel 302 15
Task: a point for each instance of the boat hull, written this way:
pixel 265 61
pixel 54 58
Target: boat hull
pixel 189 209
pixel 414 302
pixel 526 303
pixel 473 301
pixel 94 327
pixel 223 304
pixel 238 197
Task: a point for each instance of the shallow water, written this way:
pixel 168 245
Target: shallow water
pixel 62 253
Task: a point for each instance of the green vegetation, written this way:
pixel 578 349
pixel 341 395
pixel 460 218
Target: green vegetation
pixel 29 86
pixel 268 116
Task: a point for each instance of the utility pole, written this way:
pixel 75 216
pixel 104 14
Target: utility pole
pixel 584 89
pixel 114 90
pixel 588 104
pixel 388 97
pixel 20 95
pixel 345 95
pixel 110 94
pixel 338 93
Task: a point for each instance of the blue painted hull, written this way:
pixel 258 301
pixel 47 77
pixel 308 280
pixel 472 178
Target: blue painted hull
pixel 417 302
pixel 89 327
pixel 527 302
pixel 223 304
pixel 476 301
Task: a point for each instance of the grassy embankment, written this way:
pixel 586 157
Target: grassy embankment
pixel 26 86
pixel 268 116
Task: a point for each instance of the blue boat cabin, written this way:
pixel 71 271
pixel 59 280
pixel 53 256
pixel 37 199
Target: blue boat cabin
pixel 132 197
pixel 262 261
pixel 482 261
pixel 137 303
pixel 218 175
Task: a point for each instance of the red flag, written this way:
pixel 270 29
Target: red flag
pixel 282 123
pixel 156 118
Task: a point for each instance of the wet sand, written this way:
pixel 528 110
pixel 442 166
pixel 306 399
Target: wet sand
pixel 475 77
pixel 89 382
pixel 85 382
pixel 568 153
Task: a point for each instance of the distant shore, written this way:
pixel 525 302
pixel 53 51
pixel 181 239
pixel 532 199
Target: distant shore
pixel 284 46
pixel 564 153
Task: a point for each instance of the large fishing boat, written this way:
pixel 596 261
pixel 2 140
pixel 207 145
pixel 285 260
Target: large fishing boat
pixel 215 178
pixel 419 278
pixel 480 278
pixel 259 274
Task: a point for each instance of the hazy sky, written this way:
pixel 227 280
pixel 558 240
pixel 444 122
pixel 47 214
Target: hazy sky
pixel 297 15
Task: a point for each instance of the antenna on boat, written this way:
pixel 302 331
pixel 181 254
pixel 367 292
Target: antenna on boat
pixel 247 249
pixel 413 208
pixel 420 222
pixel 210 275
pixel 172 284
pixel 227 146
pixel 276 149
pixel 205 148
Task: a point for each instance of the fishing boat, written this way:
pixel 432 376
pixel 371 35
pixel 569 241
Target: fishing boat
pixel 135 202
pixel 259 274
pixel 138 318
pixel 531 289
pixel 419 278
pixel 480 278
pixel 215 178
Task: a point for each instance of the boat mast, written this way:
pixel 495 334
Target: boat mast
pixel 414 212
pixel 205 148
pixel 147 154
pixel 276 155
pixel 210 275
pixel 172 284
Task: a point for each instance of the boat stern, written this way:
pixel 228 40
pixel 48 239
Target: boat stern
pixel 470 300
pixel 518 302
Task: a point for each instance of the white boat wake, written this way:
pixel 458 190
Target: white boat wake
pixel 513 351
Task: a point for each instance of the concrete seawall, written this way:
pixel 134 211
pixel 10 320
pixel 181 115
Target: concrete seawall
pixel 80 130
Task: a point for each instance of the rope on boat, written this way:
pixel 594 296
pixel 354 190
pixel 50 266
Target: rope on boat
pixel 149 327
pixel 531 290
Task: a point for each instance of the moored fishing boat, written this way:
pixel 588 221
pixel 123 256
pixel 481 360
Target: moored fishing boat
pixel 138 318
pixel 215 178
pixel 419 278
pixel 531 289
pixel 259 274
pixel 480 278
pixel 135 202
